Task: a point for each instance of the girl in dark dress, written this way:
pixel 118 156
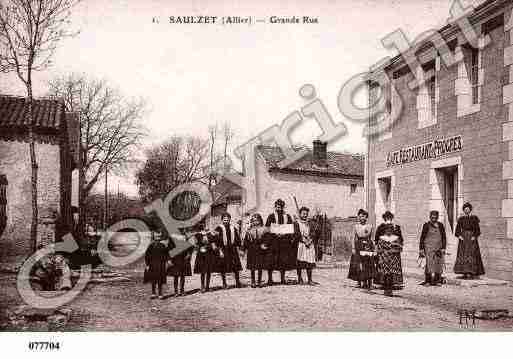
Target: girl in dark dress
pixel 227 241
pixel 180 265
pixel 205 259
pixel 156 258
pixel 468 258
pixel 257 247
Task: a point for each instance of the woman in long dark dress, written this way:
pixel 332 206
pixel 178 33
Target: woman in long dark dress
pixel 256 244
pixel 206 259
pixel 284 246
pixel 468 258
pixel 389 244
pixel 362 236
pixel 156 258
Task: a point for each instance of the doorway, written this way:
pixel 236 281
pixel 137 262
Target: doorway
pixel 448 184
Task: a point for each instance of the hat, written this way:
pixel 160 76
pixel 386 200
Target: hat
pixel 467 205
pixel 388 215
pixel 279 202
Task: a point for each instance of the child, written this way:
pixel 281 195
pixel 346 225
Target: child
pixel 205 259
pixel 306 248
pixel 156 258
pixel 180 266
pixel 227 241
pixel 256 247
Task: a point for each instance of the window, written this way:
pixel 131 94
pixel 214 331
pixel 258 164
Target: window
pixel 3 203
pixel 474 74
pixel 353 188
pixel 385 189
pixel 431 85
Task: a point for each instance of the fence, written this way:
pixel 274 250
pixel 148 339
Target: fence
pixel 342 234
pixel 324 243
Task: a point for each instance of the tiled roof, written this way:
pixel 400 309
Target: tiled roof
pixel 14 112
pixel 338 164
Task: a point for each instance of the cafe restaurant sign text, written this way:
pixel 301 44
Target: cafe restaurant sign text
pixel 433 149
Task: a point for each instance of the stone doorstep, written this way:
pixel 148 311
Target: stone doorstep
pixel 454 279
pixel 418 273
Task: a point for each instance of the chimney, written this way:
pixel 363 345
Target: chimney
pixel 320 153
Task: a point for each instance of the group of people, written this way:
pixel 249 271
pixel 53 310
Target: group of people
pixel 376 257
pixel 281 244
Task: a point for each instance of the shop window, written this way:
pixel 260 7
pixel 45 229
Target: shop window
pixel 385 189
pixel 353 187
pixel 3 203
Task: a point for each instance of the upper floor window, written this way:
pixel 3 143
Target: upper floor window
pixel 474 74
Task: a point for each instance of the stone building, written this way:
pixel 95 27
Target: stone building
pixel 57 153
pixel 327 182
pixel 451 140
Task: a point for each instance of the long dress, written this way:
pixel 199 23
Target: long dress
pixel 365 252
pixel 306 246
pixel 156 257
pixel 206 259
pixel 360 232
pixel 389 255
pixel 227 241
pixel 258 245
pixel 284 247
pixel 468 257
pixel 432 242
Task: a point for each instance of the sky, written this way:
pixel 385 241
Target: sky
pixel 196 75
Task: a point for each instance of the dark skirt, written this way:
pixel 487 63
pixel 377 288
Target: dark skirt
pixel 253 256
pixel 354 268
pixel 181 266
pixel 389 263
pixel 260 259
pixel 205 262
pixel 468 257
pixel 230 262
pixel 156 273
pixel 368 268
pixel 362 268
pixel 285 253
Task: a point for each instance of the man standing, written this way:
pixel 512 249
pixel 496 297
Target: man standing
pixel 432 246
pixel 228 240
pixel 284 245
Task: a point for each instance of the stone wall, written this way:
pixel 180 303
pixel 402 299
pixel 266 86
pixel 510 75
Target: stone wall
pixel 15 165
pixel 330 196
pixel 415 188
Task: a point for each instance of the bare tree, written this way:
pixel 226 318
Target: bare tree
pixel 178 160
pixel 110 125
pixel 228 134
pixel 29 33
pixel 212 131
